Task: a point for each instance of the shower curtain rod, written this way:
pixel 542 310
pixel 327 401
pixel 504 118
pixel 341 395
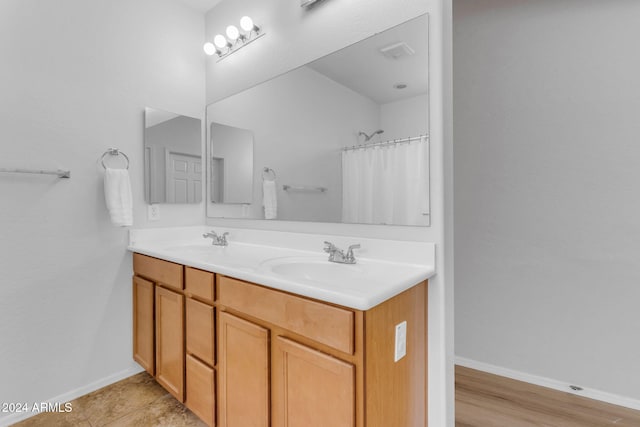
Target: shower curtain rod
pixel 390 142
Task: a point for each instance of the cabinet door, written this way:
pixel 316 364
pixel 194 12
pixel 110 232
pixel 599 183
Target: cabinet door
pixel 200 393
pixel 310 388
pixel 170 341
pixel 200 330
pixel 143 351
pixel 243 373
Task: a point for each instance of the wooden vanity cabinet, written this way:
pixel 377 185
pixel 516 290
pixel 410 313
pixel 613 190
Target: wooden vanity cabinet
pixel 240 354
pixel 158 307
pixel 200 344
pixel 325 365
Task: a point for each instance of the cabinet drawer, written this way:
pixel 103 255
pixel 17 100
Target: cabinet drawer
pixel 200 330
pixel 200 393
pixel 157 270
pixel 320 322
pixel 199 283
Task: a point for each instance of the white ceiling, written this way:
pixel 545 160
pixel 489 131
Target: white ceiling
pixel 365 70
pixel 201 5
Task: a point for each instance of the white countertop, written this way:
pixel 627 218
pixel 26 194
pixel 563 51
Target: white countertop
pixel 295 262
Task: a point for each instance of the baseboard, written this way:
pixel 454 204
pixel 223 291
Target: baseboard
pixel 73 394
pixel 549 383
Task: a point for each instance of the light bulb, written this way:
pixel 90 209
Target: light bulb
pixel 246 23
pixel 220 41
pixel 209 48
pixel 232 32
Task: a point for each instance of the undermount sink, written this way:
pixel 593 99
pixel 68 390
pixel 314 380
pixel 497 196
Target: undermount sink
pixel 313 268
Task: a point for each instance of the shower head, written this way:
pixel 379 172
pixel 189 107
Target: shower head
pixel 368 137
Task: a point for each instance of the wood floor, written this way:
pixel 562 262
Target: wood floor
pixel 486 400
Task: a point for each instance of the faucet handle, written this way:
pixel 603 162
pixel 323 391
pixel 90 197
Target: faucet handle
pixel 329 247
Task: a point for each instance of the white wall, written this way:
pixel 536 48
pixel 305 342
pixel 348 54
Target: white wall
pixel 288 116
pixel 546 102
pixel 405 118
pixel 75 79
pixel 296 36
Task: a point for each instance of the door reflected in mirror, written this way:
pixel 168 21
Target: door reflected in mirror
pixel 231 164
pixel 347 136
pixel 172 157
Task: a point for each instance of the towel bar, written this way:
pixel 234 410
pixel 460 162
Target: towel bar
pixel 303 188
pixel 60 173
pixel 266 171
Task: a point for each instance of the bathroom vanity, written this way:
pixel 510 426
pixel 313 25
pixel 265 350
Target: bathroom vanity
pixel 244 341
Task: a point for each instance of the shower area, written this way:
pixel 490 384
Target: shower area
pixel 386 182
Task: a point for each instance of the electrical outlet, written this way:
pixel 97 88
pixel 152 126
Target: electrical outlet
pixel 153 212
pixel 401 341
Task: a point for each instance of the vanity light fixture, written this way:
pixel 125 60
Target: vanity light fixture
pixel 235 39
pixel 210 48
pixel 221 42
pixel 246 23
pixel 232 33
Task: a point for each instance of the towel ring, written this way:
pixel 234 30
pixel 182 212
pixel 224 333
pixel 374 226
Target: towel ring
pixel 114 152
pixel 267 171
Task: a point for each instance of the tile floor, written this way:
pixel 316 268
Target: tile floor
pixel 137 401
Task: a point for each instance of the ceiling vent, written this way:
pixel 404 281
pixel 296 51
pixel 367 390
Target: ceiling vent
pixel 397 50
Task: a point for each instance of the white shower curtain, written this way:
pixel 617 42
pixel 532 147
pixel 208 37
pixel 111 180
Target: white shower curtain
pixel 386 184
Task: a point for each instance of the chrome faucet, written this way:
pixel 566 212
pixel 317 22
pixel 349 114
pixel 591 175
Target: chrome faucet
pixel 215 239
pixel 337 255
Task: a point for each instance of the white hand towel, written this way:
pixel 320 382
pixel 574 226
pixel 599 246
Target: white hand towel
pixel 269 199
pixel 117 193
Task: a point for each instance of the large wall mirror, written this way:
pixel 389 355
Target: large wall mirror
pixel 344 138
pixel 172 157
